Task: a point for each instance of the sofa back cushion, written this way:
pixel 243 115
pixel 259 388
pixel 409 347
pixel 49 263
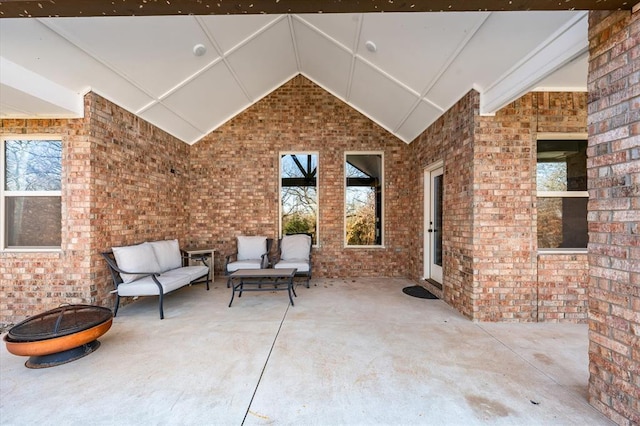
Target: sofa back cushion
pixel 251 247
pixel 167 254
pixel 295 247
pixel 137 258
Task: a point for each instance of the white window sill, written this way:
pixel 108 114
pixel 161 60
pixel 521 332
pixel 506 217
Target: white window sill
pixel 31 250
pixel 563 251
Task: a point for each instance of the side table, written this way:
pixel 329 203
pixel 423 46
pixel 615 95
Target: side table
pixel 198 255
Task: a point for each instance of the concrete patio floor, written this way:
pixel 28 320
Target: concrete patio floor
pixel 350 352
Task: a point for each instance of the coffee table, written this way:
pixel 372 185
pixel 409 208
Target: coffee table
pixel 262 280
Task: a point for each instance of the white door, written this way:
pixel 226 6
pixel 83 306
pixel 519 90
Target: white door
pixel 433 184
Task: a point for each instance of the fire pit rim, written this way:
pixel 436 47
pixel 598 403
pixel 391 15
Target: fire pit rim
pixel 59 343
pixel 13 334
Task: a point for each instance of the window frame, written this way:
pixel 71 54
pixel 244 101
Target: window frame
pixel 382 200
pixel 545 136
pixel 4 193
pixel 316 243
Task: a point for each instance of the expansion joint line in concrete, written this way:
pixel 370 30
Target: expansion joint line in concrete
pixel 264 367
pixel 518 355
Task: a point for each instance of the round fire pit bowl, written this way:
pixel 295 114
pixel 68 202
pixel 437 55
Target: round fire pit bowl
pixel 60 335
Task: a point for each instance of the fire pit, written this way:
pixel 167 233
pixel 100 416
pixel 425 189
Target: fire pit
pixel 60 335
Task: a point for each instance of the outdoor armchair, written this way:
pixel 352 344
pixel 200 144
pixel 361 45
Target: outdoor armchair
pixel 294 251
pixel 252 252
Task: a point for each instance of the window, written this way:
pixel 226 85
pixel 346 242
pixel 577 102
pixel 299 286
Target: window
pixel 31 197
pixel 299 194
pixel 363 199
pixel 562 194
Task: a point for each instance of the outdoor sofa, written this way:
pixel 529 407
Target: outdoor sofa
pixel 152 269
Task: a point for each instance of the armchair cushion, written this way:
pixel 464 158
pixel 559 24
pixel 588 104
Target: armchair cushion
pixel 295 247
pixel 137 258
pixel 244 264
pixel 251 247
pixel 301 265
pixel 167 254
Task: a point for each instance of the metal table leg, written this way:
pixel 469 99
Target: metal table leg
pixel 290 290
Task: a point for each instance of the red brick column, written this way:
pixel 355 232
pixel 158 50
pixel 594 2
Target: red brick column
pixel 505 280
pixel 614 215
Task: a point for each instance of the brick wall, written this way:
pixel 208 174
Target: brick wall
pixel 562 288
pixel 235 175
pixel 117 189
pixel 450 139
pixel 33 282
pixel 135 196
pixel 614 215
pixel 490 244
pixel 504 229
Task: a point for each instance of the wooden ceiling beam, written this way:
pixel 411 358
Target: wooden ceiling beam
pixel 70 8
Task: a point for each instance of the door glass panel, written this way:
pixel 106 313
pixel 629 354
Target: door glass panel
pixel 437 222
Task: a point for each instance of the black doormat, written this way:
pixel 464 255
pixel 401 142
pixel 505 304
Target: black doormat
pixel 418 291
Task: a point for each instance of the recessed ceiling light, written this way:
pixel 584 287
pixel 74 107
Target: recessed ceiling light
pixel 371 46
pixel 199 49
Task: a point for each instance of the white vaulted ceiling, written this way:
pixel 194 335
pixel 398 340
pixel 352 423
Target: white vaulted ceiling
pixel 423 63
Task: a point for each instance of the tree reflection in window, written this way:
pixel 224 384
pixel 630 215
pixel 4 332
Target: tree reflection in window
pixel 299 194
pixel 32 193
pixel 561 183
pixel 363 199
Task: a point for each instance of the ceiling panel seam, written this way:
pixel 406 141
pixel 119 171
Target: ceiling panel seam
pixel 55 28
pixel 224 60
pixel 173 133
pixel 423 96
pixel 354 49
pixel 503 87
pixel 190 78
pixel 349 50
pixel 183 118
pixel 246 41
pixel 78 45
pixel 459 49
pixel 387 76
pixel 540 47
pixel 401 100
pixel 354 58
pixel 327 36
pixel 244 108
pixel 355 107
pixel 255 35
pixel 292 33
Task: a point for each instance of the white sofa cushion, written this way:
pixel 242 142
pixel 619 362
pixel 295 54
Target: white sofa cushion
pixel 193 272
pixel 251 247
pixel 167 253
pixel 295 247
pixel 137 258
pixel 147 287
pixel 244 264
